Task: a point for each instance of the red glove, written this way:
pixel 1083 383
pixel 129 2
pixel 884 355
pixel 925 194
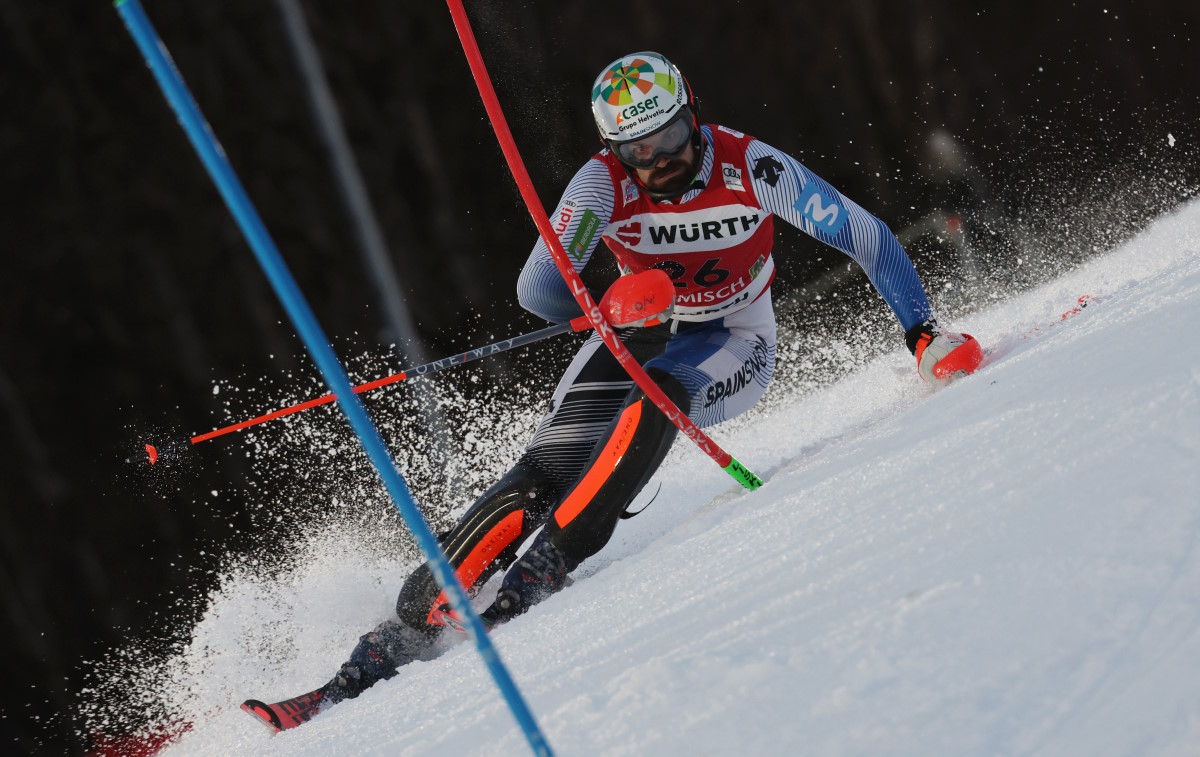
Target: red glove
pixel 639 299
pixel 942 355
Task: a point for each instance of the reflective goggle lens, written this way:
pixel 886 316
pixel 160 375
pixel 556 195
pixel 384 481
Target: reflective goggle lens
pixel 667 143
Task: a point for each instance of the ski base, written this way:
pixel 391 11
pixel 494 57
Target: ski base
pixel 289 713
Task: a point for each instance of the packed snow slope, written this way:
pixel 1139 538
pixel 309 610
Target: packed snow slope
pixel 1007 565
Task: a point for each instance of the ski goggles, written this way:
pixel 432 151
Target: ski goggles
pixel 667 142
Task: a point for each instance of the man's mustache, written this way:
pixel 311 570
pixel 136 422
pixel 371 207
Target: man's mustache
pixel 669 168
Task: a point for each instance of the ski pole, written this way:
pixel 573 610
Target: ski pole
pixel 579 324
pixel 516 165
pixel 267 254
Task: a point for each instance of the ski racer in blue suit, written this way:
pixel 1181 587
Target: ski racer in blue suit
pixel 696 201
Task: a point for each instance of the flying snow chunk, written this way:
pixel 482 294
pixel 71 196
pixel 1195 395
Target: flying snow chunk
pixel 1170 139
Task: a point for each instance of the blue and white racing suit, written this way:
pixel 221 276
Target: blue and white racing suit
pixel 602 440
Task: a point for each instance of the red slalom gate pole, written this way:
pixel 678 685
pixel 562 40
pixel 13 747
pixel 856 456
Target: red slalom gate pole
pixel 579 324
pixel 516 165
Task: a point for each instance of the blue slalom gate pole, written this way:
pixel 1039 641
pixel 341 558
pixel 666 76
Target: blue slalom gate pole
pixel 213 157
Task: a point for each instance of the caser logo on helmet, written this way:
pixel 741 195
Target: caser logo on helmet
pixel 638 108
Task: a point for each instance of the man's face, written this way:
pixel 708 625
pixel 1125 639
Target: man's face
pixel 670 174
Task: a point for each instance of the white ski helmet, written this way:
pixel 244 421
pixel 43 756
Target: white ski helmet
pixel 640 95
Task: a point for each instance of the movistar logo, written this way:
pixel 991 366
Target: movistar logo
pixel 821 208
pixel 695 231
pixel 821 213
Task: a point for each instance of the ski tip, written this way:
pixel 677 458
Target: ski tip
pixel 1081 303
pixel 289 713
pixel 447 617
pixel 264 713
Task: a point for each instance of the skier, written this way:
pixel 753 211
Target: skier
pixel 665 194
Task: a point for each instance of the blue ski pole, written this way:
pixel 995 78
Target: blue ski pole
pixel 306 325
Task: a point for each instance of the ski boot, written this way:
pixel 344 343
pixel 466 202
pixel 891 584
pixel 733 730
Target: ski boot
pixel 540 572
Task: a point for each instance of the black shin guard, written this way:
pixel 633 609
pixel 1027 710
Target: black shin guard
pixel 484 541
pixel 630 453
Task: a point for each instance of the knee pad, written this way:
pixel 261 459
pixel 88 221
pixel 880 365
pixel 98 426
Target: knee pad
pixel 484 541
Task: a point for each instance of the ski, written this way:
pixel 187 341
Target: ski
pixel 289 713
pixel 447 617
pixel 1082 302
pixel 1006 344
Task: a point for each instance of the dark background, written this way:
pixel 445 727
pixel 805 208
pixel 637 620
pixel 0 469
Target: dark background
pixel 126 289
